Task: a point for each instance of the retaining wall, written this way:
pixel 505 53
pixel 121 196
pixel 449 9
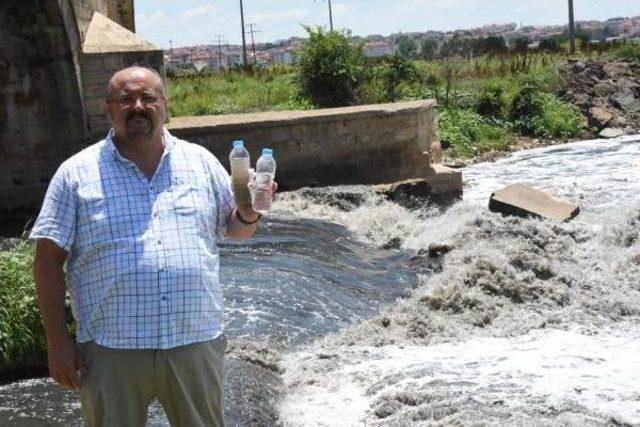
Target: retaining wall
pixel 368 144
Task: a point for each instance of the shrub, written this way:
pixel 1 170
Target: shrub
pixel 464 133
pixel 557 118
pixel 525 106
pixel 331 69
pixel 536 113
pixel 492 101
pixel 399 70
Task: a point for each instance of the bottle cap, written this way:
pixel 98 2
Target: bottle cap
pixel 267 151
pixel 238 143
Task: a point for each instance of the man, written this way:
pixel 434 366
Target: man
pixel 135 218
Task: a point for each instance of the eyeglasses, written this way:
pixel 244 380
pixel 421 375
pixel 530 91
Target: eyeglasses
pixel 129 101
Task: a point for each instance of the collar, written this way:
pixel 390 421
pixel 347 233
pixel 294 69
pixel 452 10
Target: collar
pixel 168 141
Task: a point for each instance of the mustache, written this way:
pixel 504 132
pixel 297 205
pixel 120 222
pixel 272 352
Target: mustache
pixel 137 114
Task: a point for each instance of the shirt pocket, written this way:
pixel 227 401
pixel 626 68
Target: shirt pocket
pixel 194 206
pixel 93 216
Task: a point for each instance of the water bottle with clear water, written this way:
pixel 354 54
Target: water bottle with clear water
pixel 239 160
pixel 263 180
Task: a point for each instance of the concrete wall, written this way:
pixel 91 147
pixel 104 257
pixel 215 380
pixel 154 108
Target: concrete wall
pixel 41 110
pixel 355 145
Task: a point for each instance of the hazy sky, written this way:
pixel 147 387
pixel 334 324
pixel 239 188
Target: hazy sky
pixel 191 22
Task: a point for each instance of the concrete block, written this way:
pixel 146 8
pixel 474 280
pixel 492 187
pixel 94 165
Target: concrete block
pixel 444 180
pixel 522 200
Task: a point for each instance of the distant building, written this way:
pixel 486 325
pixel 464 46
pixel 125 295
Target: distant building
pixel 378 48
pixel 283 56
pixel 234 59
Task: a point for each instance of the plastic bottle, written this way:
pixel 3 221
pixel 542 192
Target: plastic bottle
pixel 265 173
pixel 239 161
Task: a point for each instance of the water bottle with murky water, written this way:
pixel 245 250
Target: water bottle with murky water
pixel 239 161
pixel 263 181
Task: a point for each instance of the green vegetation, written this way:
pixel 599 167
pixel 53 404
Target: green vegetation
pixel 265 89
pixel 331 69
pixel 23 349
pixel 465 133
pixel 488 94
pixel 628 51
pixel 21 334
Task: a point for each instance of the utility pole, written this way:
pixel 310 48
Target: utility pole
pixel 253 42
pixel 572 29
pixel 330 16
pixel 171 51
pixel 220 39
pixel 244 43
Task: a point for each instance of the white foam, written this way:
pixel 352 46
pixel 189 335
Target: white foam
pixel 599 372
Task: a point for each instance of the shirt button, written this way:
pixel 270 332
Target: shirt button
pixel 164 297
pixel 159 241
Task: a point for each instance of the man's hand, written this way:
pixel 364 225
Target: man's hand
pixel 239 229
pixel 65 363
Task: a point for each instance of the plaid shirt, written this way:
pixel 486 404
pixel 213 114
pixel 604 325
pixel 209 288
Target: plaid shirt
pixel 142 268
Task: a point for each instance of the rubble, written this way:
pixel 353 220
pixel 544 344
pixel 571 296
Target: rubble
pixel 607 92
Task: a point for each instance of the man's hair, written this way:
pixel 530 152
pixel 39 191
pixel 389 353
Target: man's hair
pixel 163 89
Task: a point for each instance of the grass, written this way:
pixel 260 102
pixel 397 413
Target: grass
pixel 628 51
pixel 233 92
pixel 23 350
pixel 22 340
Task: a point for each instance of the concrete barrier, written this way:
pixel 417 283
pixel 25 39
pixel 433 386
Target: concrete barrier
pixel 369 144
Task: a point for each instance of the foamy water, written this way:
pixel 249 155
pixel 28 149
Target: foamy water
pixel 596 371
pixel 531 322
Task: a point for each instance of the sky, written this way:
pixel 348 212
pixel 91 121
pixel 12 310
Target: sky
pixel 196 22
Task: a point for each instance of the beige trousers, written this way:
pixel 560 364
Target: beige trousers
pixel 188 381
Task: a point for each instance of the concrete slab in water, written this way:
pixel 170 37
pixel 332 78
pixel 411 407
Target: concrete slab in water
pixel 522 200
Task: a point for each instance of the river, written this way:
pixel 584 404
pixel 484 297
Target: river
pixel 337 316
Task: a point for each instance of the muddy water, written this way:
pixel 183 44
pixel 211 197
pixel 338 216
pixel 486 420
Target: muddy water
pixel 337 316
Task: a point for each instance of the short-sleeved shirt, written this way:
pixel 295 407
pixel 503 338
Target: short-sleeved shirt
pixel 142 265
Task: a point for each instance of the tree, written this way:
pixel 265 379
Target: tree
pixel 549 45
pixel 457 46
pixel 398 70
pixel 491 45
pixel 407 46
pixel 520 45
pixel 331 69
pixel 429 48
